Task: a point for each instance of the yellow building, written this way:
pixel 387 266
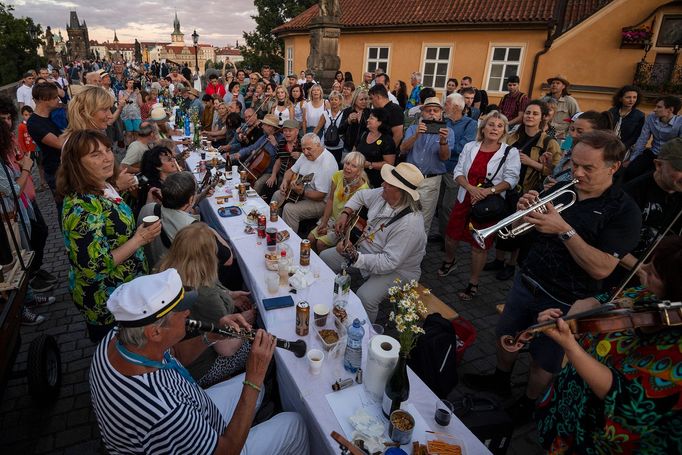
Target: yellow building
pixel 596 44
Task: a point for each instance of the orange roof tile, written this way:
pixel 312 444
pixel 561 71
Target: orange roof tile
pixel 384 13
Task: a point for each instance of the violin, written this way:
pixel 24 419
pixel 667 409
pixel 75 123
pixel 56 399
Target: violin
pixel 604 319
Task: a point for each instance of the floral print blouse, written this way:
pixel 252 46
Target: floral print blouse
pixel 93 227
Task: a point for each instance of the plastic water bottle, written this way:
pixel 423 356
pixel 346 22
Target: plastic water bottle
pixel 352 359
pixel 188 131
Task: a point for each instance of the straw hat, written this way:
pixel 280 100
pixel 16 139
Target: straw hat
pixel 158 114
pixel 559 77
pixel 432 101
pixel 405 176
pixel 270 119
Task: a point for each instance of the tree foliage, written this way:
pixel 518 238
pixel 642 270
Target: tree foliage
pixel 262 47
pixel 18 51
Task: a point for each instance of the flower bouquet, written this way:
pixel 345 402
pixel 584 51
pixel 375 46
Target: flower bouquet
pixel 408 311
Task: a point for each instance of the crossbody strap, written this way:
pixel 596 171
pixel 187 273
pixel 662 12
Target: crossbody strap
pixel 499 166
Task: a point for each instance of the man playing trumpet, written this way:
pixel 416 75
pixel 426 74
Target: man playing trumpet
pixel 571 253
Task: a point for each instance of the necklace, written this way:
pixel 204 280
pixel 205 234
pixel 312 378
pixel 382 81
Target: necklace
pixel 169 364
pixel 347 186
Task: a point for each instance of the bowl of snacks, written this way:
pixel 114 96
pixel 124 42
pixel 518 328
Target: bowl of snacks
pixel 332 334
pixel 271 261
pixel 400 426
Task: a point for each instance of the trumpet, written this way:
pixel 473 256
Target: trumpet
pixel 505 229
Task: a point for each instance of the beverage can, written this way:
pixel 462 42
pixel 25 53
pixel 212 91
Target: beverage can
pixel 305 253
pixel 261 226
pixel 273 212
pixel 242 176
pixel 302 318
pixel 242 192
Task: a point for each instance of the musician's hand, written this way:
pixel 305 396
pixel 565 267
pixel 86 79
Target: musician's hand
pixel 548 183
pixel 284 187
pixel 583 305
pixel 235 321
pixel 298 189
pixel 527 200
pixel 550 222
pixel 262 348
pixel 272 139
pixel 561 333
pixel 241 300
pixel 340 224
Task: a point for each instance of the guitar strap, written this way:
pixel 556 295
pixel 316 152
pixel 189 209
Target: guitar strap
pixel 399 215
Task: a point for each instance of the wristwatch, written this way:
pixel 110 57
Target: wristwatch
pixel 567 235
pixel 493 190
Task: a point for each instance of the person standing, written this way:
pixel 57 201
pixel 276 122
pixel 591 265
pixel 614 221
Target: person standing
pixel 25 91
pixel 416 83
pixel 627 119
pixel 567 106
pixel 513 103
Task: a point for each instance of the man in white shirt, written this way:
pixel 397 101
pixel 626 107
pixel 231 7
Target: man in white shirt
pixel 24 96
pixel 315 160
pixel 384 80
pixel 145 140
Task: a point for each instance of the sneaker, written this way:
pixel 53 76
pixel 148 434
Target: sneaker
pixel 495 383
pixel 507 272
pixel 47 276
pixel 28 317
pixel 493 265
pixel 521 412
pixel 41 300
pixel 39 284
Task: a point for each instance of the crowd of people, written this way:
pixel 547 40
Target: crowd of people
pixel 104 138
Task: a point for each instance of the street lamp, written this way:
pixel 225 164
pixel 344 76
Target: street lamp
pixel 195 39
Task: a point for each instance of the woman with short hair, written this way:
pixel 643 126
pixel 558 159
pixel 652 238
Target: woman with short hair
pixel 103 245
pixel 313 110
pixel 377 146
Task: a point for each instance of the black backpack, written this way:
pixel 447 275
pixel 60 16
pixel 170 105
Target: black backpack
pixel 331 136
pixel 433 358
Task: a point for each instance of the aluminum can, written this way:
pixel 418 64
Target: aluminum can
pixel 273 212
pixel 302 318
pixel 261 226
pixel 242 192
pixel 242 176
pixel 305 253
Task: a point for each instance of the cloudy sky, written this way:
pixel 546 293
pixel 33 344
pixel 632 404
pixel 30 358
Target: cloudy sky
pixel 217 22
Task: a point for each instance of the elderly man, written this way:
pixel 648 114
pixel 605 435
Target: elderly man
pixel 269 142
pixel 146 137
pixel 147 402
pixel 567 106
pixel 310 198
pixel 464 128
pixel 416 83
pixel 429 150
pixel 366 81
pixel 567 261
pixel 394 241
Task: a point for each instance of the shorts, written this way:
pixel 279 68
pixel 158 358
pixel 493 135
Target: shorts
pixel 520 312
pixel 132 125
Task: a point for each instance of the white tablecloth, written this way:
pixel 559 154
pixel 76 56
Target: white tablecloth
pixel 301 391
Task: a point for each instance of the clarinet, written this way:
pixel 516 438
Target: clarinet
pixel 298 347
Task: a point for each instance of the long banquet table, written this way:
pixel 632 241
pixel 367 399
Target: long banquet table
pixel 301 391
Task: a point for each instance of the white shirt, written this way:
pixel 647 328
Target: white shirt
pixel 25 96
pixel 392 97
pixel 509 172
pixel 323 167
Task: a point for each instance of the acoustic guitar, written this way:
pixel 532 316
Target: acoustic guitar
pixel 293 196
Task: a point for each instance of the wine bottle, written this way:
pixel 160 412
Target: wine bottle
pixel 397 388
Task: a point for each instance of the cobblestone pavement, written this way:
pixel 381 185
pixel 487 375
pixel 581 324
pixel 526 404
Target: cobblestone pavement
pixel 69 426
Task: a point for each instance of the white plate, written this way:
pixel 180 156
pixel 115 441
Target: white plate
pixel 251 193
pixel 247 209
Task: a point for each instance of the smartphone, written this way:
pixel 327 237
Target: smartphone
pixel 433 126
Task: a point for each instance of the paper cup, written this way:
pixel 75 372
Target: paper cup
pixel 149 220
pixel 320 312
pixel 315 359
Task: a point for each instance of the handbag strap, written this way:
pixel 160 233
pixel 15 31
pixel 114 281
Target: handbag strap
pixel 499 166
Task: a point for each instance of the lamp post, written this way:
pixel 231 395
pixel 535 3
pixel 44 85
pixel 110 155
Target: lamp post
pixel 647 48
pixel 195 39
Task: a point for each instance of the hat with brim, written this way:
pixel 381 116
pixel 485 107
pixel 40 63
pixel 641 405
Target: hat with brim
pixel 271 120
pixel 432 101
pixel 158 114
pixel 148 298
pixel 405 176
pixel 291 123
pixel 194 92
pixel 560 78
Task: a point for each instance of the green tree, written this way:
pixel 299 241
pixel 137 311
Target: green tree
pixel 262 47
pixel 18 50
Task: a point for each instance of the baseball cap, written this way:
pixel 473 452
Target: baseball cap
pixel 671 152
pixel 148 298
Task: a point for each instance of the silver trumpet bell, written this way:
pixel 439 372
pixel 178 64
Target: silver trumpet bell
pixel 505 228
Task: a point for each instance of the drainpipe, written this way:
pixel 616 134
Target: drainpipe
pixel 556 24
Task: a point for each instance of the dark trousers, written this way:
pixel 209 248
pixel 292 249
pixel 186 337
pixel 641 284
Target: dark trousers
pixel 39 233
pixel 641 165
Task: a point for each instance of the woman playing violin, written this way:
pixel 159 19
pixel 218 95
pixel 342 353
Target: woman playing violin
pixel 621 391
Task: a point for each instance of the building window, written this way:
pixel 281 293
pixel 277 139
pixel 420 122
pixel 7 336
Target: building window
pixel 290 60
pixel 435 70
pixel 505 63
pixel 377 57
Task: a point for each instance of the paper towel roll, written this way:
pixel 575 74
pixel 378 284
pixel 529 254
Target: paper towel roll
pixel 381 360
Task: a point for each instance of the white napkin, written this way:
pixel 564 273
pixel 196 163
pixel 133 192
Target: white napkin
pixel 302 278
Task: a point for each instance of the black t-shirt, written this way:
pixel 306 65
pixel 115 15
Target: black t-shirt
pixel 375 152
pixel 39 127
pixel 658 209
pixel 394 114
pixel 610 223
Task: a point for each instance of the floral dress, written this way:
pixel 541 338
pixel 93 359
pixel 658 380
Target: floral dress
pixel 642 411
pixel 93 227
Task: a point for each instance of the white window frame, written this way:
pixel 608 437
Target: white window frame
pixel 290 60
pixel 491 51
pixel 426 46
pixel 387 59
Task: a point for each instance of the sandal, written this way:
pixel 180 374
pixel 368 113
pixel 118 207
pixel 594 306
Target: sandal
pixel 468 293
pixel 447 267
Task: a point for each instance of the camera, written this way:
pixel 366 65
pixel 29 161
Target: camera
pixel 129 102
pixel 433 126
pixel 141 179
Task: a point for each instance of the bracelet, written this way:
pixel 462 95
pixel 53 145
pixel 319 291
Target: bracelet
pixel 348 212
pixel 206 341
pixel 25 170
pixel 443 143
pixel 251 384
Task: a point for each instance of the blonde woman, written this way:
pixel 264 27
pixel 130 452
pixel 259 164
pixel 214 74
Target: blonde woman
pixel 283 108
pixel 480 162
pixel 313 110
pixel 344 185
pixel 193 254
pixel 332 119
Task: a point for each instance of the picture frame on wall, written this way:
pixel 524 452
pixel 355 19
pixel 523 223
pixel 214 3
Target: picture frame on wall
pixel 670 32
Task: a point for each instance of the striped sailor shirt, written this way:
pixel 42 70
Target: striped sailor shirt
pixel 158 412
